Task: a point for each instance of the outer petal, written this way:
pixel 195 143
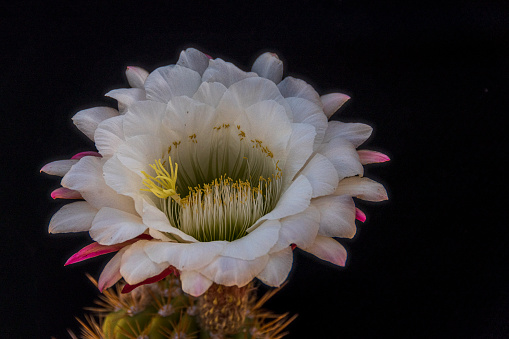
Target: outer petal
pixel 87 178
pixel 136 266
pixel 136 76
pixel 322 175
pixel 73 217
pixel 371 157
pixel 292 87
pixel 126 97
pixel 300 148
pixel 362 188
pixel 224 72
pixel 59 167
pixel 194 59
pixel 231 271
pixel 144 117
pixel 185 257
pixel 299 229
pixel 305 111
pixel 109 135
pixel 355 133
pixel 337 216
pixel 111 226
pixel 278 267
pixel 343 156
pixel 169 81
pixel 210 93
pixel 194 283
pixel 111 272
pixel 332 102
pixel 65 193
pixel 329 250
pixel 269 66
pixel 256 243
pixel 88 119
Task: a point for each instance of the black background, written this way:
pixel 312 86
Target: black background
pixel 430 77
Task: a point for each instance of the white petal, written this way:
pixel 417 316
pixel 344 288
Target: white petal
pixel 254 244
pixel 294 200
pixel 136 76
pixel 109 135
pixel 136 266
pixel 329 250
pixel 224 72
pixel 300 148
pixel 231 271
pixel 343 156
pixel 73 217
pixel 299 229
pixel 337 216
pixel 356 133
pixel 210 93
pixel 269 66
pixel 194 283
pixel 88 119
pixel 139 152
pixel 322 175
pixel 185 257
pixel 362 188
pixel 126 97
pixel 292 87
pixel 277 269
pixel 194 59
pixel 111 272
pixel 332 102
pixel 169 81
pixel 59 167
pixel 111 226
pixel 144 117
pixel 305 111
pixel 87 178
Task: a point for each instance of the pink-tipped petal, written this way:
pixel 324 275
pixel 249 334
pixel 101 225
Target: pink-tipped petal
pixel 359 215
pixel 65 193
pixel 86 154
pixel 332 102
pixel 136 76
pixel 59 167
pixel 372 157
pixel 208 56
pixel 128 288
pixel 95 249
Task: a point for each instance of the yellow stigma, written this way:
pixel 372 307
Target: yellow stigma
pixel 163 185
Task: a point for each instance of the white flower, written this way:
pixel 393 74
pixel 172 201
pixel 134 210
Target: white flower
pixel 216 172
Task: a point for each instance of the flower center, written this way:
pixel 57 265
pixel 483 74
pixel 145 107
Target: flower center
pixel 225 183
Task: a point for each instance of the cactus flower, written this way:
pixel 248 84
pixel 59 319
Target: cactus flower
pixel 215 172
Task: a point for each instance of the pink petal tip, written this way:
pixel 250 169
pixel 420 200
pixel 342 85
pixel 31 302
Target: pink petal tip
pixel 128 288
pixel 86 154
pixel 371 157
pixel 65 193
pixel 359 215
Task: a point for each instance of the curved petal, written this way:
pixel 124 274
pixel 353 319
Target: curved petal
pixel 254 244
pixel 355 133
pixel 65 193
pixel 136 76
pixel 111 272
pixel 126 97
pixel 194 283
pixel 109 135
pixel 322 175
pixel 278 267
pixel 144 117
pixel 185 257
pixel 300 148
pixel 371 157
pixel 111 226
pixel 80 155
pixel 59 167
pixel 73 217
pixel 332 102
pixel 337 216
pixel 362 188
pixel 169 81
pixel 194 59
pixel 329 250
pixel 136 266
pixel 87 178
pixel 269 66
pixel 299 229
pixel 305 111
pixel 292 87
pixel 231 271
pixel 224 72
pixel 210 93
pixel 343 156
pixel 88 119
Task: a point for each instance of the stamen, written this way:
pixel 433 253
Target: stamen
pixel 163 185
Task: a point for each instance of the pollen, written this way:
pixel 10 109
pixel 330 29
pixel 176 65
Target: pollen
pixel 163 185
